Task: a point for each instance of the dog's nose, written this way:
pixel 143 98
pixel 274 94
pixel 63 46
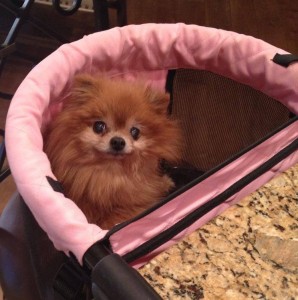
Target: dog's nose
pixel 117 143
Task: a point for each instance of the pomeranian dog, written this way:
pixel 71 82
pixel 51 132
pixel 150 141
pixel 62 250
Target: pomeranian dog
pixel 106 144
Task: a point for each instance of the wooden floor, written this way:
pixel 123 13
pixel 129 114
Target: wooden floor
pixel 275 21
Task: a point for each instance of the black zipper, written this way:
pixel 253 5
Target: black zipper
pixel 166 235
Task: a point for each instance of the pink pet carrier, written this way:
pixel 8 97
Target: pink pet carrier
pixel 236 98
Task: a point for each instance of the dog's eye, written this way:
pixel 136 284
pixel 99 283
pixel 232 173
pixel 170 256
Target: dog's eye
pixel 99 127
pixel 135 132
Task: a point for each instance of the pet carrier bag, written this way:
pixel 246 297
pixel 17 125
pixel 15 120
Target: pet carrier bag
pixel 236 98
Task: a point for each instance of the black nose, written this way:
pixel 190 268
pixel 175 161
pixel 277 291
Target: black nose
pixel 117 143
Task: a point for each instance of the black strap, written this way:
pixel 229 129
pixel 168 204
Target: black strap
pixel 71 283
pixel 169 88
pixel 285 59
pixel 56 185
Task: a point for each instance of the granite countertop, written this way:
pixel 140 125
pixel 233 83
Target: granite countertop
pixel 248 252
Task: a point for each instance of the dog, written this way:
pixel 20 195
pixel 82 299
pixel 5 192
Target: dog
pixel 106 145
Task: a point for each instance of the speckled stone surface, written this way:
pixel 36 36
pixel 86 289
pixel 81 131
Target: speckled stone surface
pixel 248 252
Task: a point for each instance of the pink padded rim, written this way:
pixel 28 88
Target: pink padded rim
pixel 146 51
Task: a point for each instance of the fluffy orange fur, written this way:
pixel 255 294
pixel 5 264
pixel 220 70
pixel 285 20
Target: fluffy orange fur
pixel 111 183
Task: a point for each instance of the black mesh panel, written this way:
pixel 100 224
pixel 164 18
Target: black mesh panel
pixel 220 117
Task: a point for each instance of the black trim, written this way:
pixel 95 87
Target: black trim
pixel 165 236
pixel 169 88
pixel 56 185
pixel 285 60
pixel 170 80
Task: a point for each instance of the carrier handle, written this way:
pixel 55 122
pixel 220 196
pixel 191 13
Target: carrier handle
pixel 67 11
pixel 112 278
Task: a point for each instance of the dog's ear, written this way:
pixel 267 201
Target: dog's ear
pixel 84 88
pixel 84 80
pixel 83 85
pixel 159 100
